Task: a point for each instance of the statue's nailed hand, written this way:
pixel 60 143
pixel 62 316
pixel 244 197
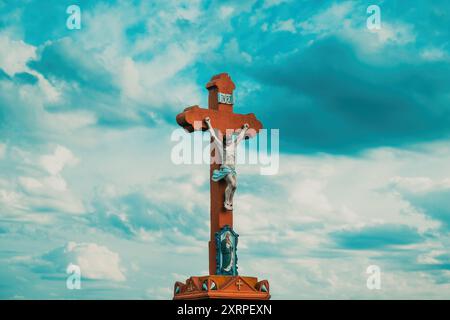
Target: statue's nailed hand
pixel 208 122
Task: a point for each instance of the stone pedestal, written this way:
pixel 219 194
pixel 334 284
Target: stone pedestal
pixel 222 287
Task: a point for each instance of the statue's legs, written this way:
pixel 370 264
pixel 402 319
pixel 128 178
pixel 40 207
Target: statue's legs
pixel 229 191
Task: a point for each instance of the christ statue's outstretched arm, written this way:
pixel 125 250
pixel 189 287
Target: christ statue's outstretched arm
pixel 242 134
pixel 213 134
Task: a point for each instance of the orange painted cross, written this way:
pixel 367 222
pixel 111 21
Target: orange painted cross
pixel 220 111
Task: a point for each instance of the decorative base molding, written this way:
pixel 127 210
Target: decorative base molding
pixel 222 287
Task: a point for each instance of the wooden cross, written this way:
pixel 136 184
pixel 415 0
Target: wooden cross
pixel 220 111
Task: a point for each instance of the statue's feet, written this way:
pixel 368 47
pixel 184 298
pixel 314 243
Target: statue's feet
pixel 228 205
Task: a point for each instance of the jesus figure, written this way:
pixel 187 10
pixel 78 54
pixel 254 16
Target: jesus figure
pixel 227 152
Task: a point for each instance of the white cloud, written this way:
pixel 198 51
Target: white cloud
pixel 343 277
pixel 329 20
pixel 55 162
pixel 163 78
pixel 160 293
pixel 26 197
pixel 398 33
pixel 273 3
pixel 95 261
pixel 265 27
pixel 311 197
pixel 309 194
pixel 189 10
pixel 419 184
pixel 433 54
pixel 233 52
pixel 431 256
pixel 226 11
pixel 14 55
pixel 30 183
pixel 343 19
pixel 414 184
pixel 10 199
pixel 69 122
pixel 284 25
pixel 131 83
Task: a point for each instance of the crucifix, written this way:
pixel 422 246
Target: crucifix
pixel 223 281
pixel 220 120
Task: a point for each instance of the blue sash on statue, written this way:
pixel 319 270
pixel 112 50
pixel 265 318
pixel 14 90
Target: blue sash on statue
pixel 222 173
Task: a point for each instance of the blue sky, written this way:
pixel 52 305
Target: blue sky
pixel 86 118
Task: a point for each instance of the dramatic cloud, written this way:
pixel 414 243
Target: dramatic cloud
pixel 95 262
pixel 34 188
pixel 428 195
pixel 344 104
pixel 376 237
pixel 14 59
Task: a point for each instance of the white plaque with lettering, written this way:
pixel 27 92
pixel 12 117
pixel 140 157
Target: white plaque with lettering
pixel 225 98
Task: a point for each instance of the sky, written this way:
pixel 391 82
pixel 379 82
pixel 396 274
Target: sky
pixel 86 118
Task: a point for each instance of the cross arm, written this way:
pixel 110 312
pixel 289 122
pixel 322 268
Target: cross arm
pixel 191 119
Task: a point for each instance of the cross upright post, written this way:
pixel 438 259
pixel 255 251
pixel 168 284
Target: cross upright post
pixel 220 111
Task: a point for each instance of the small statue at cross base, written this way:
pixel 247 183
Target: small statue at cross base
pixel 227 153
